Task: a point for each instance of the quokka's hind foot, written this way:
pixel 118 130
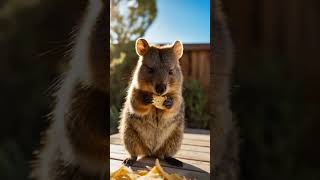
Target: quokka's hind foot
pixel 129 161
pixel 173 161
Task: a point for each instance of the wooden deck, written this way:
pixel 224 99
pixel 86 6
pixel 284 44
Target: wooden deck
pixel 194 153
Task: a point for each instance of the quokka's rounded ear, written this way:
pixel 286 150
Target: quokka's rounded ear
pixel 178 49
pixel 142 46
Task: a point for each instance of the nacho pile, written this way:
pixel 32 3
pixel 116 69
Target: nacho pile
pixel 156 173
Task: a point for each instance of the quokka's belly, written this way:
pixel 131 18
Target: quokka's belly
pixel 155 136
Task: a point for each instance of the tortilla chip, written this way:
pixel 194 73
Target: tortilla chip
pixel 157 101
pixel 156 173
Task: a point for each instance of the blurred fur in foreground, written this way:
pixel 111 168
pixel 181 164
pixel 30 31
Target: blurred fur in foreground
pixel 75 145
pixel 226 134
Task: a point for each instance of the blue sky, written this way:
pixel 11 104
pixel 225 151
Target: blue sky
pixel 185 20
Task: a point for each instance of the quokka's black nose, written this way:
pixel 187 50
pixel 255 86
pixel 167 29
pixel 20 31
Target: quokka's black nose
pixel 160 88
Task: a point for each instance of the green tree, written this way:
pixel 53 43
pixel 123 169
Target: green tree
pixel 130 19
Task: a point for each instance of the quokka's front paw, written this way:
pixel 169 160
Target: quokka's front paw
pixel 168 103
pixel 129 161
pixel 147 98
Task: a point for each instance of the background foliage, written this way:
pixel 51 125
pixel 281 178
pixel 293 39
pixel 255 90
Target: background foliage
pixel 196 115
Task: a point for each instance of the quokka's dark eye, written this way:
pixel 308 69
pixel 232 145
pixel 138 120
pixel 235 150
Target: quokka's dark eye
pixel 150 70
pixel 170 71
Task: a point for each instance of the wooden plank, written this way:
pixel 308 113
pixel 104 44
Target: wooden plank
pixel 190 136
pixel 115 164
pixel 196 131
pixel 201 66
pixel 189 65
pixel 206 72
pixel 196 47
pixel 191 155
pixel 197 63
pixel 194 57
pixel 200 137
pixel 184 62
pixel 183 147
pixel 192 142
pixel 188 164
pixel 186 137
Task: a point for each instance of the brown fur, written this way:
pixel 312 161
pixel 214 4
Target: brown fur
pixel 225 132
pixel 75 144
pixel 145 130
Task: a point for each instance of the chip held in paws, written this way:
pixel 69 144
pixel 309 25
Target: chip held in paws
pixel 157 101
